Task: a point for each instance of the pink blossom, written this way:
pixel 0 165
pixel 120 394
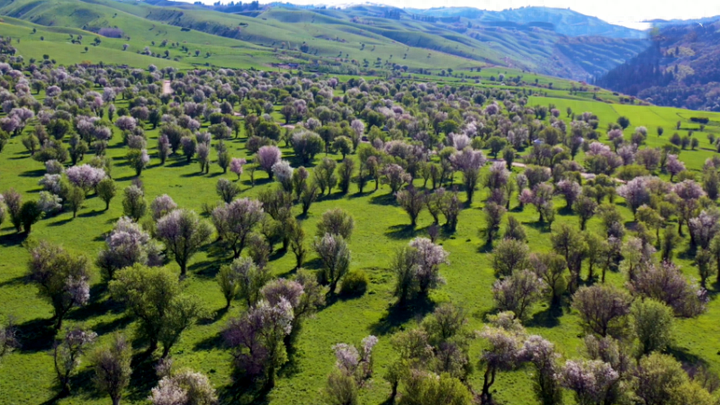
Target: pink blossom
pixel 161 206
pixel 85 176
pixel 267 157
pixel 236 166
pixel 674 166
pixel 468 159
pixel 126 123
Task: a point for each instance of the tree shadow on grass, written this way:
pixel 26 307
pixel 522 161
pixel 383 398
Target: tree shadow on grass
pixel 397 315
pixel 143 377
pixel 547 318
pixel 103 328
pixel 541 227
pixel 244 392
pixel 383 199
pixel 36 335
pixel 207 269
pixel 565 211
pixel 19 280
pixel 334 196
pixel 402 232
pixel 682 355
pixel 12 239
pixel 689 253
pixel 178 163
pixel 127 178
pixel 313 264
pixel 278 253
pixel 61 222
pixel 485 247
pixel 360 195
pixel 193 174
pixel 82 384
pixel 32 173
pixel 218 252
pixel 215 341
pixel 91 214
pixel 258 182
pixel 290 273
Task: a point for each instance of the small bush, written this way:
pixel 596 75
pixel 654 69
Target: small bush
pixel 354 284
pixel 630 172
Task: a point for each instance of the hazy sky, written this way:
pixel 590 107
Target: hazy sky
pixel 622 12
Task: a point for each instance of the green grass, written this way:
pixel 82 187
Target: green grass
pixel 26 375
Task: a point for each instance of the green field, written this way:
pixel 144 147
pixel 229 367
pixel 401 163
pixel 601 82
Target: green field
pixel 27 374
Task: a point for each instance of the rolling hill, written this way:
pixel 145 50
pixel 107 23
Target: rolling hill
pixel 356 39
pixel 680 69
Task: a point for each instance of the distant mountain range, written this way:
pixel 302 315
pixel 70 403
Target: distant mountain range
pixel 550 41
pixel 563 21
pixel 681 68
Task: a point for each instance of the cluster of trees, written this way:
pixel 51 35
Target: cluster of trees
pixel 417 138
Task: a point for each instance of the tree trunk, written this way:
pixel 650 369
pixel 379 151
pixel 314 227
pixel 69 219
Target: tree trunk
pixel 153 346
pixel 166 351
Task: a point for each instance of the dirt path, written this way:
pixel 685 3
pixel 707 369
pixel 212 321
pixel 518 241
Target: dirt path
pixel 166 87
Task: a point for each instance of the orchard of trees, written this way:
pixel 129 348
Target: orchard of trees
pixel 439 151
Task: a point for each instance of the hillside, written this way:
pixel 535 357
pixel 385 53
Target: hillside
pixel 680 69
pixel 564 21
pixel 365 39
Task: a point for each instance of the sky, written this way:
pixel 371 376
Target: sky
pixel 622 12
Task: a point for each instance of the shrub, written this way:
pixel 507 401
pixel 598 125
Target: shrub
pixel 354 284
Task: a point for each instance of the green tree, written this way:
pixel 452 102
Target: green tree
pixel 652 322
pixel 61 278
pixel 106 190
pixel 153 296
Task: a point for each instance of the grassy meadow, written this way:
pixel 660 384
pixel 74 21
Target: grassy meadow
pixel 26 375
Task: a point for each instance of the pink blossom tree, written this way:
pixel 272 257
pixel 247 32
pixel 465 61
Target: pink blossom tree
pixel 126 123
pixel 417 268
pixel 266 158
pixel 183 234
pixel 85 176
pixel 570 190
pixel 126 245
pixel 161 206
pixel 519 292
pixel 68 352
pixel 589 379
pixel 63 279
pixel 674 166
pixel 503 351
pixel 666 283
pixel 256 339
pixel 335 256
pixel 185 387
pixel 469 162
pixel 236 220
pixel 689 192
pixel 396 177
pixel 236 166
pixel 635 192
pixel 283 174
